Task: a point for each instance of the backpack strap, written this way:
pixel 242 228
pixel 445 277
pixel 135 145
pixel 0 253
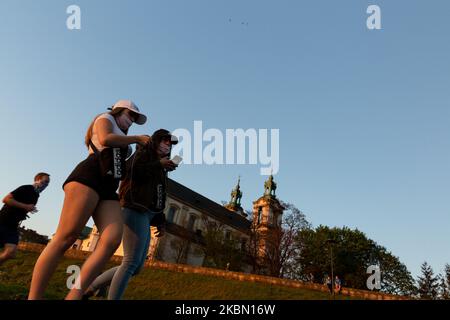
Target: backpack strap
pixel 94 148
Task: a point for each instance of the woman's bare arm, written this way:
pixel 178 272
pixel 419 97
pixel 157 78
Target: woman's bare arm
pixel 107 138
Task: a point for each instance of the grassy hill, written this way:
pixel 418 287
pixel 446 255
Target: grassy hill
pixel 153 284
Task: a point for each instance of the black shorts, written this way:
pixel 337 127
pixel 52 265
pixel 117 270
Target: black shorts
pixel 8 235
pixel 87 172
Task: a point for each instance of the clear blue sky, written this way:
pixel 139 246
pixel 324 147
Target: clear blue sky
pixel 363 115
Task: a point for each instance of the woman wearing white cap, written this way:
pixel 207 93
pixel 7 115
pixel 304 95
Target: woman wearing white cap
pixel 90 191
pixel 143 199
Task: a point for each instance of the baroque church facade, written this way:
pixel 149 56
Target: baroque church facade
pixel 187 214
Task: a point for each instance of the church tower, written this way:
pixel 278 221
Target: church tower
pixel 235 202
pixel 267 217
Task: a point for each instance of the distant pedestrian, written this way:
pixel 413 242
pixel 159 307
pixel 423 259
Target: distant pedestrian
pixel 17 205
pixel 337 285
pixel 329 284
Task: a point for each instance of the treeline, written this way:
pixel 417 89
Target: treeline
pixel 431 286
pixel 299 251
pixel 29 235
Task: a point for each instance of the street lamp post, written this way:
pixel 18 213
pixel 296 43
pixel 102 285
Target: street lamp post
pixel 330 243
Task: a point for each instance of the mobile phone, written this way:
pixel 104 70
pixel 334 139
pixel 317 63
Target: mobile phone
pixel 177 160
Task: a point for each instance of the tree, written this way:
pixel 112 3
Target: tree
pixel 219 251
pixel 180 249
pixel 252 249
pixel 28 235
pixel 444 283
pixel 396 279
pixel 280 259
pixel 428 283
pixel 353 253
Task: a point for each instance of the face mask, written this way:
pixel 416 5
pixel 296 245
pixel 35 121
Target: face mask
pixel 124 121
pixel 164 149
pixel 40 186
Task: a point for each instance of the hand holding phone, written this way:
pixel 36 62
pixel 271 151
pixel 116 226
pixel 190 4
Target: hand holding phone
pixel 167 164
pixel 177 159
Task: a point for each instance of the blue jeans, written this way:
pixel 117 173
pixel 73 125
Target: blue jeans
pixel 136 241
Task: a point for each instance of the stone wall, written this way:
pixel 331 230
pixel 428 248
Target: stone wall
pixel 362 294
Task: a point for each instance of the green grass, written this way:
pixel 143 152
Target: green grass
pixel 150 284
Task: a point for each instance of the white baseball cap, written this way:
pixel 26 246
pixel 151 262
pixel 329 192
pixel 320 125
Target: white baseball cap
pixel 130 105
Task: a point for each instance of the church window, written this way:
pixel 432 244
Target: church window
pixel 191 222
pixel 259 214
pixel 171 214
